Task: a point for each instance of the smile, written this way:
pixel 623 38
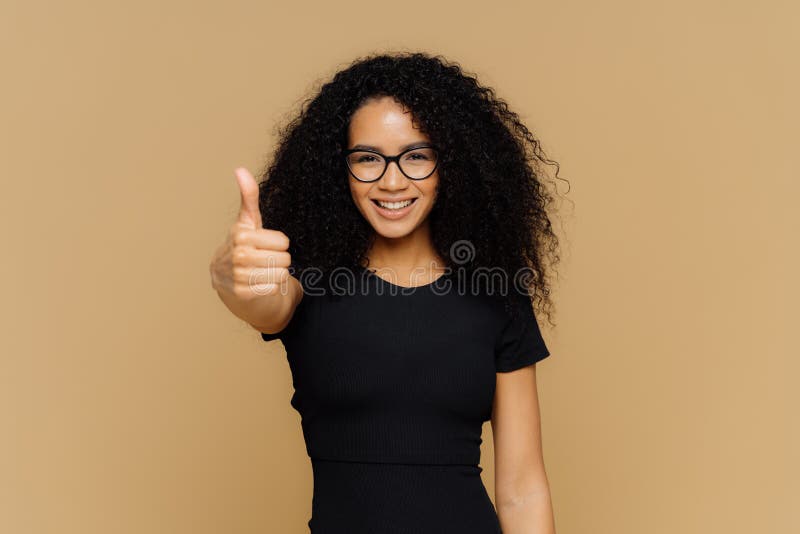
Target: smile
pixel 394 205
pixel 393 210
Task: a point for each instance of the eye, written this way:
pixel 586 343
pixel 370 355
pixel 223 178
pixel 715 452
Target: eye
pixel 420 154
pixel 365 159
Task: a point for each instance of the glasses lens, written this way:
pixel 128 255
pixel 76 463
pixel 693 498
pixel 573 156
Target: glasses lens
pixel 365 165
pixel 419 163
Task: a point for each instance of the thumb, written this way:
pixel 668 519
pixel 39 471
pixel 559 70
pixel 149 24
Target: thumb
pixel 249 212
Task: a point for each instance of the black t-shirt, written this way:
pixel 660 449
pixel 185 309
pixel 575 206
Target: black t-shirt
pixel 386 373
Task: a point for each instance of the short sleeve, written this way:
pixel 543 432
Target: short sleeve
pixel 520 342
pixel 270 337
pixel 291 326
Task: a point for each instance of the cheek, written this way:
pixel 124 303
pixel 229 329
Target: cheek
pixel 359 192
pixel 354 189
pixel 431 188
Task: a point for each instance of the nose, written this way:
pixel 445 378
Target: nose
pixel 393 178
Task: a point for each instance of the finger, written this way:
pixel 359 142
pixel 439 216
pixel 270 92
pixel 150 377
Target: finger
pixel 249 213
pixel 253 257
pixel 259 279
pixel 261 238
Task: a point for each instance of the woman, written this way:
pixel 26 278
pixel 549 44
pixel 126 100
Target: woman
pixel 371 248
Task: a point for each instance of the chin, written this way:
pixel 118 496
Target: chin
pixel 390 233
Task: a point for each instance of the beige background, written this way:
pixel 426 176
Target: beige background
pixel 131 401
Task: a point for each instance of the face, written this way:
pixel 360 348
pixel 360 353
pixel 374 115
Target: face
pixel 384 125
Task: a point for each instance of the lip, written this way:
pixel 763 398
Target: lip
pixel 393 214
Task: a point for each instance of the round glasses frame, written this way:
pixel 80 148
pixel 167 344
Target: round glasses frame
pixel 388 159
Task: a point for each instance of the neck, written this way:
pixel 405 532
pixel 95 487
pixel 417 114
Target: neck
pixel 406 253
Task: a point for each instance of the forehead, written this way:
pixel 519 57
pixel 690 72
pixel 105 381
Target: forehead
pixel 383 122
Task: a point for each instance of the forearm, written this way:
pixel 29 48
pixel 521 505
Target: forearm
pixel 527 513
pixel 267 314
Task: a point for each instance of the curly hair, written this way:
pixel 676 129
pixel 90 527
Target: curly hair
pixel 491 192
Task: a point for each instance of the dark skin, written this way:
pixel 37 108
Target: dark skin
pixel 402 253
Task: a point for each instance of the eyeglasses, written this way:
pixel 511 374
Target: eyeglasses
pixel 369 166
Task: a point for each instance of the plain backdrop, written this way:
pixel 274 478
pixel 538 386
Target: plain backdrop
pixel 132 401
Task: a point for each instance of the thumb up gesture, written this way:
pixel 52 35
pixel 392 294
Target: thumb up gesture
pixel 253 262
pixel 249 212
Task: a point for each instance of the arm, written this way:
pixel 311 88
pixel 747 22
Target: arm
pixel 249 270
pixel 268 315
pixel 522 492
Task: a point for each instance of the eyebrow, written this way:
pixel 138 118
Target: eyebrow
pixel 415 144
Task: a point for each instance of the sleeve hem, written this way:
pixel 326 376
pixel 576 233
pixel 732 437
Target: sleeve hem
pixel 270 337
pixel 529 358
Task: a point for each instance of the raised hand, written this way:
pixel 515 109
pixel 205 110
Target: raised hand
pixel 253 261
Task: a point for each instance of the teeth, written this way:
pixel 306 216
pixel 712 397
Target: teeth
pixel 394 205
